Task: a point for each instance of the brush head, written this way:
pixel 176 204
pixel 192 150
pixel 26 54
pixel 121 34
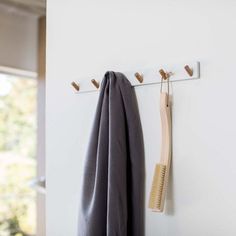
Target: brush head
pixel 157 191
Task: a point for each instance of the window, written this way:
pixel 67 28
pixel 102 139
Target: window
pixel 18 106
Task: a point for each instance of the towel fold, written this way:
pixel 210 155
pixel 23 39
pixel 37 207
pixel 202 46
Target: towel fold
pixel 113 184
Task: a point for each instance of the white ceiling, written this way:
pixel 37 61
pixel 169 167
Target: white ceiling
pixel 34 6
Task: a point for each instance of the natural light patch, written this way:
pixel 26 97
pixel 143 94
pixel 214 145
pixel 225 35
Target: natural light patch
pixel 5 84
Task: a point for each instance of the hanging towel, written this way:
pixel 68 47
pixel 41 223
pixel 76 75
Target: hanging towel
pixel 113 185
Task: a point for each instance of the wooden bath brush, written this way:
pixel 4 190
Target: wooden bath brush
pixel 161 174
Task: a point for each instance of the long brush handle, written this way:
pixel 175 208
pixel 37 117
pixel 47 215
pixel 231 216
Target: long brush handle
pixel 165 130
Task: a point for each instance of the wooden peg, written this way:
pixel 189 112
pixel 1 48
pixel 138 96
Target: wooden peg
pixel 139 77
pixel 95 83
pixel 163 74
pixel 75 85
pixel 189 70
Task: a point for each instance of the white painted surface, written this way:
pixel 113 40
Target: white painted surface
pixel 86 39
pixel 18 39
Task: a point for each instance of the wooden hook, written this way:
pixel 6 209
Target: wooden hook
pixel 139 77
pixel 95 83
pixel 163 74
pixel 75 85
pixel 189 70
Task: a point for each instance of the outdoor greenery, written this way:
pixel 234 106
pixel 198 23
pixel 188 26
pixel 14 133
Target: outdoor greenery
pixel 17 156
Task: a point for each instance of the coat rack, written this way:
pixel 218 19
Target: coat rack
pixel 188 71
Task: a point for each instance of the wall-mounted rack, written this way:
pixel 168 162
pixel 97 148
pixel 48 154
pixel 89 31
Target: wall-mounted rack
pixel 188 71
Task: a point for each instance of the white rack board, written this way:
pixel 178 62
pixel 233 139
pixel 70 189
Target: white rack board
pixel 150 76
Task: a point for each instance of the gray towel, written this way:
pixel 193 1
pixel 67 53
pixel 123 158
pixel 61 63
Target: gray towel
pixel 113 185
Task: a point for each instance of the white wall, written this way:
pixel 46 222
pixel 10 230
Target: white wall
pixel 85 39
pixel 18 39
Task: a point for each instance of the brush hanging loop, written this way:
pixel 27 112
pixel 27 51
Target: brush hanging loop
pixel 166 77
